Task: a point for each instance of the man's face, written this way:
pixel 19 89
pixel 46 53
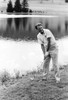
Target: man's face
pixel 40 29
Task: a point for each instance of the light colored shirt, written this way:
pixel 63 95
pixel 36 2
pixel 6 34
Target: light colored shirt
pixel 42 38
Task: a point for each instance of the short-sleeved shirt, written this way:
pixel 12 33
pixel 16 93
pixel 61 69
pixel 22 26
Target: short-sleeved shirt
pixel 42 39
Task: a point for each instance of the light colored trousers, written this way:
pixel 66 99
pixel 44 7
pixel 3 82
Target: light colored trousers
pixel 54 57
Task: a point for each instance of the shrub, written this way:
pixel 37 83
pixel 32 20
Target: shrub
pixel 25 6
pixel 5 76
pixel 25 9
pixel 30 11
pixel 17 74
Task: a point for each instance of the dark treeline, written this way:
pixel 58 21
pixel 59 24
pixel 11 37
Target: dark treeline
pixel 18 7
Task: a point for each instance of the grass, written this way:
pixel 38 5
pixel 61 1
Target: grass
pixel 23 88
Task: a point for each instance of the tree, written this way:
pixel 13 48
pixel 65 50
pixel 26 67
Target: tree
pixel 17 6
pixel 66 1
pixel 9 7
pixel 25 6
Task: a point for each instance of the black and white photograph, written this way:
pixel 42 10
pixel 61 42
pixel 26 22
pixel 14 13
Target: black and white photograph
pixel 33 49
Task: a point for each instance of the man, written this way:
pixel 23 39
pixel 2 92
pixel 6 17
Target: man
pixel 49 48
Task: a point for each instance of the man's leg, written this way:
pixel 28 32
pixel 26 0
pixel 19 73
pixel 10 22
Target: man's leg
pixel 54 56
pixel 46 65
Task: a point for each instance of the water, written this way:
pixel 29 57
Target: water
pixel 19 50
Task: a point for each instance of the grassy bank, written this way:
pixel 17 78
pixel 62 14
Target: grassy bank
pixel 33 86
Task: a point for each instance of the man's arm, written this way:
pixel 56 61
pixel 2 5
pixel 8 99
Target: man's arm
pixel 48 43
pixel 48 47
pixel 43 48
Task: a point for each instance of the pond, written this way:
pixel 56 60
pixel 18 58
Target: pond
pixel 19 50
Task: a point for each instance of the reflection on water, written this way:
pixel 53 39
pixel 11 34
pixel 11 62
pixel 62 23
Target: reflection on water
pixel 23 28
pixel 17 23
pixel 9 20
pixel 24 22
pixel 27 55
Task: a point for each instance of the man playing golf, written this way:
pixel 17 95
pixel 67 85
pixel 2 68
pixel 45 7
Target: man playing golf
pixel 49 48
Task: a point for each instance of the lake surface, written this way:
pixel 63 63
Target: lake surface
pixel 19 49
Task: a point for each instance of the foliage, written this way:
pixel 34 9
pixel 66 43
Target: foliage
pixel 5 76
pixel 9 7
pixel 17 6
pixel 17 74
pixel 66 0
pixel 25 6
pixel 25 9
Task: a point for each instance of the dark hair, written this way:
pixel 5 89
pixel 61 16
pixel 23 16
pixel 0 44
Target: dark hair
pixel 38 24
pixel 36 27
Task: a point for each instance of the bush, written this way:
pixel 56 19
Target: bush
pixel 25 4
pixel 17 74
pixel 30 11
pixel 66 1
pixel 5 76
pixel 25 9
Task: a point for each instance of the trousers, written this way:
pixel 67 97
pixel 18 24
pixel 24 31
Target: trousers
pixel 53 54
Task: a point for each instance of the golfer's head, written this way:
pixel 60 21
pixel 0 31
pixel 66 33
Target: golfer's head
pixel 39 27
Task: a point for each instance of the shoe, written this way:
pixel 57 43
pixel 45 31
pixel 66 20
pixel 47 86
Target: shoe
pixel 32 78
pixel 44 74
pixel 57 79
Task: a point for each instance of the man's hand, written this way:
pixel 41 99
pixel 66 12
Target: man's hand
pixel 46 54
